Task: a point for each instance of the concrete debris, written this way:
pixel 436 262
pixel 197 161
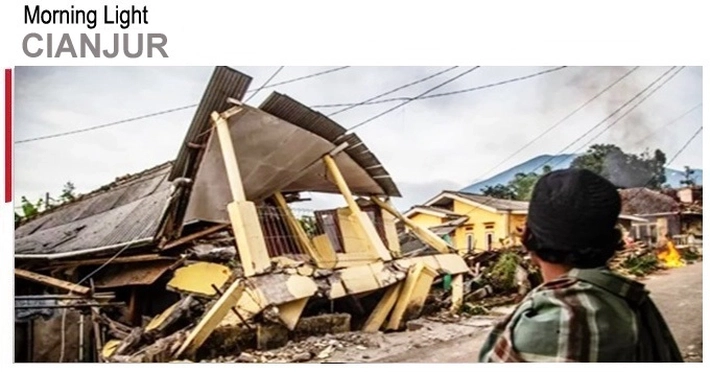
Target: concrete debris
pixel 211 253
pixel 313 348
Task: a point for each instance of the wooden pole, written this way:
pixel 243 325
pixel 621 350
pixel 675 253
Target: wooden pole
pixel 97 327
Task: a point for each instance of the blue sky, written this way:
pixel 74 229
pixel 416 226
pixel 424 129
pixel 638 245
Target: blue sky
pixel 426 146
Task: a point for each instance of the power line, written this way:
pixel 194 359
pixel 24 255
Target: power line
pixel 486 86
pixel 304 77
pixel 685 146
pixel 172 110
pixel 549 129
pixel 622 116
pixel 263 85
pixel 668 124
pixel 668 163
pixel 391 91
pixel 412 99
pixel 607 117
pixel 106 125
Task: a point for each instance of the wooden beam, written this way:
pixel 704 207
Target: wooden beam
pixel 379 314
pixel 456 293
pixel 52 282
pixel 229 157
pixel 193 236
pixel 117 260
pixel 211 319
pixel 134 315
pixel 296 228
pixel 426 235
pixel 366 227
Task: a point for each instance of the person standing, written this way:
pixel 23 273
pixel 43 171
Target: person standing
pixel 582 312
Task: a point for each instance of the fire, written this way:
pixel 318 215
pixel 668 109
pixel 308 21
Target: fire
pixel 670 256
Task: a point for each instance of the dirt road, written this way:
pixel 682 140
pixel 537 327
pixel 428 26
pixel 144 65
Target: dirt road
pixel 677 293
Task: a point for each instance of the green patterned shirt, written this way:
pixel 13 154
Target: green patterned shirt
pixel 589 315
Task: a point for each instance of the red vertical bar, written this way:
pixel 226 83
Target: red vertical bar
pixel 8 135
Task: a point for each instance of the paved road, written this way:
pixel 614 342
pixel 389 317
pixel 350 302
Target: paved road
pixel 677 293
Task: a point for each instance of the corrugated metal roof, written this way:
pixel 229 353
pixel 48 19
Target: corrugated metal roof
pixel 292 111
pixel 224 83
pixel 125 212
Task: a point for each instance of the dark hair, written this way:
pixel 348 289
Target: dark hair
pixel 581 258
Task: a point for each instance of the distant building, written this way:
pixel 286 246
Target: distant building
pixel 472 222
pixel 673 212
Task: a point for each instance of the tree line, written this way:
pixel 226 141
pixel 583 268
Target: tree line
pixel 625 170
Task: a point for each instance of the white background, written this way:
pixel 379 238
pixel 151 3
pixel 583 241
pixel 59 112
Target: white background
pixel 367 32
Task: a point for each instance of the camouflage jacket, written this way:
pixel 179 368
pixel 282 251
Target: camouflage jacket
pixel 584 316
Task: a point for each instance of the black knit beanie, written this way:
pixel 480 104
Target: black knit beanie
pixel 574 210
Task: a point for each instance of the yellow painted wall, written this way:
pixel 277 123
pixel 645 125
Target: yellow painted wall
pixel 479 217
pixel 426 220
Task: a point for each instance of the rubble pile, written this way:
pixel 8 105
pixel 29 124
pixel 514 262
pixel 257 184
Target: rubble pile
pixel 314 348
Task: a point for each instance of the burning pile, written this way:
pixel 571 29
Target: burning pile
pixel 669 256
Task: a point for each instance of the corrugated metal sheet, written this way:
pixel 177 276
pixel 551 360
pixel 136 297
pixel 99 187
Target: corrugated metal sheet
pixel 288 109
pixel 292 111
pixel 273 155
pixel 126 211
pixel 224 83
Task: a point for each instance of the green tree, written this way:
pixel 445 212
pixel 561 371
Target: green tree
pixel 309 225
pixel 519 188
pixel 522 185
pixel 499 191
pixel 28 208
pixel 623 169
pixel 68 193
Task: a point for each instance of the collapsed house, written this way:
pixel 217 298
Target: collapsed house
pixel 677 213
pixel 208 249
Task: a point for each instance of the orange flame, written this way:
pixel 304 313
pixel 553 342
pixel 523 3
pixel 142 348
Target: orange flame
pixel 670 256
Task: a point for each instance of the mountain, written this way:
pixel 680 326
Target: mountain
pixel 673 177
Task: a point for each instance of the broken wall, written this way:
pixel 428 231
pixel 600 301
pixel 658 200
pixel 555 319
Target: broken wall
pixel 47 338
